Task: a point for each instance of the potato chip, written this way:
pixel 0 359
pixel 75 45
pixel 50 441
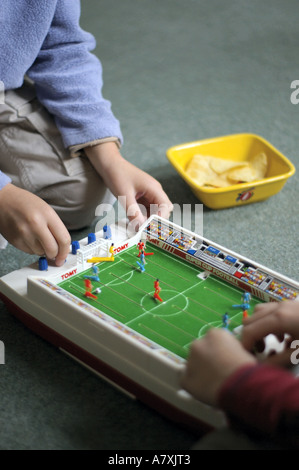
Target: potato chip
pixel 242 175
pixel 199 170
pixel 255 171
pixel 260 164
pixel 217 172
pixel 220 165
pixel 218 182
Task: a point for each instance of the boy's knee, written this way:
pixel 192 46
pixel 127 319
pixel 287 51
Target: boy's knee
pixel 77 201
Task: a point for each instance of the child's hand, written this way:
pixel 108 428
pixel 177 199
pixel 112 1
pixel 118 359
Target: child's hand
pixel 277 318
pixel 31 225
pixel 211 361
pixel 219 354
pixel 129 182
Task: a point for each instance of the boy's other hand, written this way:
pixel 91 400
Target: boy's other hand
pixel 31 225
pixel 125 180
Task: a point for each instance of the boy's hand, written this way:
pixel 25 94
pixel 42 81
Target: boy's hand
pixel 218 355
pixel 31 225
pixel 211 361
pixel 276 318
pixel 127 181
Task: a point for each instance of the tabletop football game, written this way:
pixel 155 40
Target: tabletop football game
pixel 129 308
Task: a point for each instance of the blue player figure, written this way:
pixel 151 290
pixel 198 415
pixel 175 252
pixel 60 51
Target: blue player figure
pixel 225 321
pixel 246 297
pixel 141 262
pixel 95 276
pixel 107 232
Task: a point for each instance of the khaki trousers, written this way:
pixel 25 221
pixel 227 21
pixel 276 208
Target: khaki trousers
pixel 33 156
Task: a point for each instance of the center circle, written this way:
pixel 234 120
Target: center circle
pixel 173 302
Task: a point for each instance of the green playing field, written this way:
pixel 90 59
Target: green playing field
pixel 192 303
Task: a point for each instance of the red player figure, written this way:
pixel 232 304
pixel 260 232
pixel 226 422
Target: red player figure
pixel 88 287
pixel 245 314
pixel 141 247
pixel 157 290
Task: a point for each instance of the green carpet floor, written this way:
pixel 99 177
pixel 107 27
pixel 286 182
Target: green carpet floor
pixel 175 71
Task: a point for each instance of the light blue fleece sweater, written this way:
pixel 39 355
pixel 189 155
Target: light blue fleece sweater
pixel 43 40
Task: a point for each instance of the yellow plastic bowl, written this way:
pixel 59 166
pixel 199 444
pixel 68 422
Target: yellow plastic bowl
pixel 238 147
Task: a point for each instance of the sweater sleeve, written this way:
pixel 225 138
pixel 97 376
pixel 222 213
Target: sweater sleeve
pixel 265 400
pixel 4 180
pixel 68 80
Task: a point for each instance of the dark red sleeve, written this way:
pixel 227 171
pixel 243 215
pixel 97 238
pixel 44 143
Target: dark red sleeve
pixel 264 399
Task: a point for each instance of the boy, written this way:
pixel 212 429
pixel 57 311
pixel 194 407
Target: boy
pixel 59 140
